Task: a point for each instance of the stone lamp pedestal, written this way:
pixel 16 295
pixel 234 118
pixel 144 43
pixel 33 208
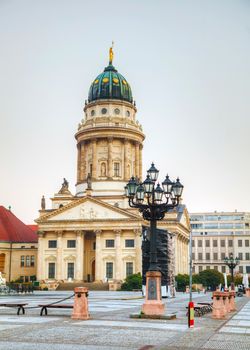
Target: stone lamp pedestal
pixel 81 308
pixel 153 304
pixel 248 292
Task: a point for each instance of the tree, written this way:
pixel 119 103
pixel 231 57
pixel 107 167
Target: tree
pixel 132 282
pixel 211 278
pixel 182 281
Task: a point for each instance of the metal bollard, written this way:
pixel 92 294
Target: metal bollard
pixel 81 308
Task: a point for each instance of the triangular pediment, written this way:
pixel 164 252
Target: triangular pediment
pixel 88 208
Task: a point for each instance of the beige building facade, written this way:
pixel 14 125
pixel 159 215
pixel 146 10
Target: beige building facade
pixel 215 236
pixel 94 235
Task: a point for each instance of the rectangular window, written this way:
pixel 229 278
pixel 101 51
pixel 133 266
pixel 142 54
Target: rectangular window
pixel 71 269
pixel 246 242
pixel 52 270
pixel 215 256
pixel 207 243
pixel 110 243
pixel 71 243
pixel 222 243
pixel 239 242
pixel 90 168
pixel 200 268
pixel 223 269
pixel 199 243
pixel 26 279
pixel 129 243
pixel 22 260
pixel 32 260
pixel 215 243
pixel 199 256
pixel 240 269
pixel 28 261
pixel 193 244
pixel 207 256
pixel 129 269
pixel 193 256
pixel 247 256
pixel 216 268
pixel 240 256
pixel 230 242
pixel 94 245
pixel 109 270
pixel 223 255
pixel 207 267
pixel 52 244
pixel 193 269
pixel 116 169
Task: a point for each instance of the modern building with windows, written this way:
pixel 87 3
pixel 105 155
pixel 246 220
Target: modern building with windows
pixel 94 235
pixel 18 248
pixel 216 235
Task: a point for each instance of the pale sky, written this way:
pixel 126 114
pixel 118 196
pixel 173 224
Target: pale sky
pixel 188 64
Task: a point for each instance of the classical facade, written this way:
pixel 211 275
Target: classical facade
pixel 18 248
pixel 93 235
pixel 218 234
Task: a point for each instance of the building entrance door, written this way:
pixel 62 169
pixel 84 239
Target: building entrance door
pixel 2 262
pixel 93 270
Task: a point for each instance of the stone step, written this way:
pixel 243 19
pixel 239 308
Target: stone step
pixel 90 286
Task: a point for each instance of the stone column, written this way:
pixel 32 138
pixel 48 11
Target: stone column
pixel 110 163
pixel 118 259
pixel 94 159
pixel 82 165
pixel 140 162
pixel 126 160
pixel 40 256
pixel 59 261
pixel 137 159
pixel 79 255
pixel 78 162
pixel 138 252
pixel 98 256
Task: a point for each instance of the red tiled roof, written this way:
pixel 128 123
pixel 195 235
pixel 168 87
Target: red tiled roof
pixel 14 230
pixel 33 227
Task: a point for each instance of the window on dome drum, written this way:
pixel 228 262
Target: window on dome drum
pixel 52 243
pixel 22 260
pixel 71 268
pixel 129 243
pixel 109 270
pixel 28 261
pixel 116 169
pixel 117 111
pixel 128 114
pixel 129 269
pixel 71 243
pixel 32 260
pixel 92 113
pixel 51 270
pixel 104 110
pixel 110 243
pixel 222 243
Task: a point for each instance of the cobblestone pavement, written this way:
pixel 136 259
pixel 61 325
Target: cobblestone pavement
pixel 110 327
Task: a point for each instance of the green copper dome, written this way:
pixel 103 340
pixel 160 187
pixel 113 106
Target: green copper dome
pixel 110 85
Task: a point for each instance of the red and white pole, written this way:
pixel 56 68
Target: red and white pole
pixel 191 314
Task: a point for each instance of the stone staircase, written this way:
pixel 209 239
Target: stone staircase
pixel 90 286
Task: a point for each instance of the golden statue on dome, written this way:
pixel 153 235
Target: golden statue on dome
pixel 111 54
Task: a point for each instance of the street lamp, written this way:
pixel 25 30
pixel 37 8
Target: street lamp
pixel 232 262
pixel 153 201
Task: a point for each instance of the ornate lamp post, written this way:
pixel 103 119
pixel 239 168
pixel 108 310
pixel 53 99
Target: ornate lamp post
pixel 148 198
pixel 232 262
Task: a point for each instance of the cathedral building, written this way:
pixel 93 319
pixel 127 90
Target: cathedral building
pixel 93 235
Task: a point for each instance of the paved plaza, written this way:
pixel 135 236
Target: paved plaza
pixel 110 327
